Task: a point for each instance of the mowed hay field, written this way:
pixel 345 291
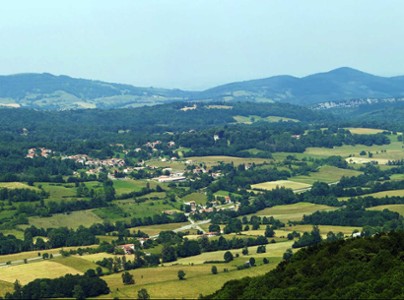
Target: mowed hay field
pixel 6 287
pixel 293 212
pixel 327 174
pixel 28 272
pixel 72 220
pixel 364 130
pixel 215 160
pixel 270 185
pixel 393 207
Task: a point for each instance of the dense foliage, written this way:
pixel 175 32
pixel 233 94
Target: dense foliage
pixel 346 269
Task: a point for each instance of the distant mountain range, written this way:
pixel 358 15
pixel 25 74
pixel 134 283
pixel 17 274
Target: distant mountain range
pixel 46 91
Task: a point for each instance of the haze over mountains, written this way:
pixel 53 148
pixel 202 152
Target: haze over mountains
pixel 46 91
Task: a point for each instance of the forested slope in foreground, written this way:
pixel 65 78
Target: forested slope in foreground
pixel 351 269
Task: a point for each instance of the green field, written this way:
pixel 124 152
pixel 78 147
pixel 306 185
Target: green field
pixel 293 212
pixel 156 229
pixel 327 174
pixel 162 282
pixel 393 207
pixel 42 269
pixel 72 220
pixel 391 193
pixel 364 130
pixel 397 177
pixel 252 119
pixel 199 198
pixel 215 160
pixel 125 186
pixel 324 229
pixel 270 185
pixel 393 151
pixel 138 210
pixel 32 254
pixel 76 262
pixel 59 191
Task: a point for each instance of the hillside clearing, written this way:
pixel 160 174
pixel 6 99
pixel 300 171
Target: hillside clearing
pixel 270 185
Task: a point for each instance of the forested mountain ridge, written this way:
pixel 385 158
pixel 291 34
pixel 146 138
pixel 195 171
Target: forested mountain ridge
pixel 351 269
pixel 47 91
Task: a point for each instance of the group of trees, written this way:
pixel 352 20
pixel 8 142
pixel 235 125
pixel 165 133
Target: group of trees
pixel 68 286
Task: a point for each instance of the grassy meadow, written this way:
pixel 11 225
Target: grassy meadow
pixel 252 119
pixel 391 193
pixel 270 185
pixel 356 130
pixel 72 220
pixel 199 198
pixel 327 174
pixel 30 271
pixel 292 212
pixel 393 207
pixel 215 160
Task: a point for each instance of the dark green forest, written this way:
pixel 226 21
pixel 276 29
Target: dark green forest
pixel 346 269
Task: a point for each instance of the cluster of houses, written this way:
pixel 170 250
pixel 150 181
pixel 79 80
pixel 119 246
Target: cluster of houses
pixel 37 152
pixel 94 162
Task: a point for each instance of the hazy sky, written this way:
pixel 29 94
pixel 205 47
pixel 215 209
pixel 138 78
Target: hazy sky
pixel 194 44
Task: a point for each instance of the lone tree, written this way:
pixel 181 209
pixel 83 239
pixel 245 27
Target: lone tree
pixel 143 294
pixel 228 256
pixel 181 275
pixel 252 261
pixel 127 278
pixel 214 270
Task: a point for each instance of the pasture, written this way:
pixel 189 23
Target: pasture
pixel 76 262
pixel 364 130
pixel 156 229
pixel 324 229
pixel 199 198
pixel 215 160
pixel 393 151
pixel 252 119
pixel 328 174
pixel 125 186
pixel 391 193
pixel 17 185
pixel 28 272
pixel 32 254
pixel 72 220
pixel 138 210
pixel 399 208
pixel 58 191
pixel 162 282
pixel 292 212
pixel 271 185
